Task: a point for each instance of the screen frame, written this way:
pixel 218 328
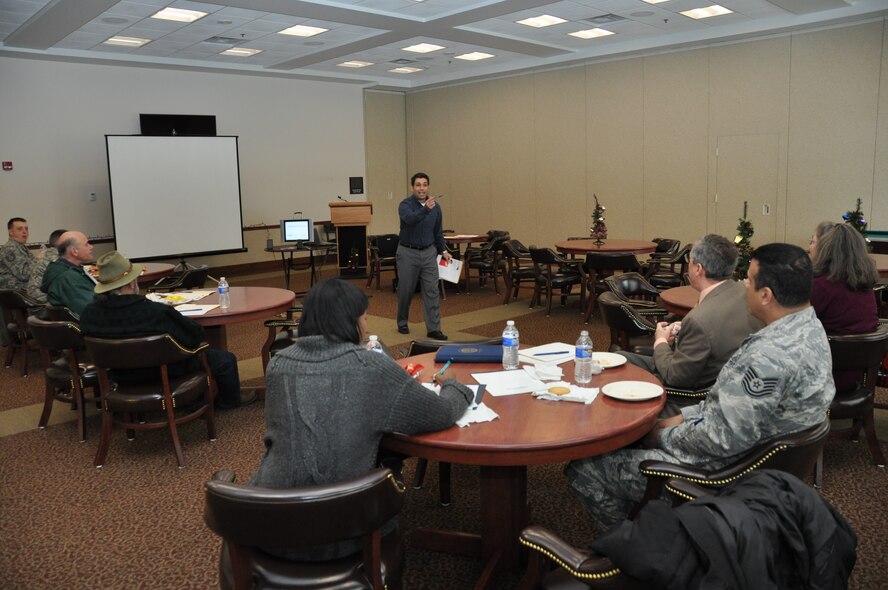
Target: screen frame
pixel 297 222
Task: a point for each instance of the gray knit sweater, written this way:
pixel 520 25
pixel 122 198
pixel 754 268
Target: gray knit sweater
pixel 328 405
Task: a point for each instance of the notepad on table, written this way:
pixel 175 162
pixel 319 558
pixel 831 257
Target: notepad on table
pixel 554 353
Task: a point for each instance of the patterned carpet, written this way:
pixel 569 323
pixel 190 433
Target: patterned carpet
pixel 137 522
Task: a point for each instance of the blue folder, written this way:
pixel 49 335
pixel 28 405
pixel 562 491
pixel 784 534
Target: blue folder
pixel 470 353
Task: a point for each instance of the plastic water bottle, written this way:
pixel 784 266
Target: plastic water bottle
pixel 224 295
pixel 374 345
pixel 510 346
pixel 583 359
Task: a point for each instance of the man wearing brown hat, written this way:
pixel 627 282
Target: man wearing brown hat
pixel 119 312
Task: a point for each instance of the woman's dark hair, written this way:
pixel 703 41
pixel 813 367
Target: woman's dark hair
pixel 841 256
pixel 331 309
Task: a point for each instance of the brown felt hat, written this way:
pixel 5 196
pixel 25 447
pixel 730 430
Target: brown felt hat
pixel 115 271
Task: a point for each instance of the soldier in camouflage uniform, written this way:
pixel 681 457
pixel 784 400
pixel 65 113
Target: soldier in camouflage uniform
pixel 15 258
pixel 778 382
pixel 39 267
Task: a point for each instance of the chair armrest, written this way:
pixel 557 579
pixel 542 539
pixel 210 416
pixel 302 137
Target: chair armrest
pixel 683 490
pixel 226 475
pixel 574 560
pixel 665 470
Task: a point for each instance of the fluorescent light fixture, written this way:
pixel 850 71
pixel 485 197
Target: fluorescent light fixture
pixel 474 56
pixel 714 10
pixel 655 1
pixel 406 70
pixel 179 15
pixel 423 48
pixel 241 52
pixel 127 41
pixel 591 33
pixel 355 64
pixel 303 31
pixel 539 22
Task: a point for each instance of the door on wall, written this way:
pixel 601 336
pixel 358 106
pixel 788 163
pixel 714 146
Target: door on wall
pixel 747 170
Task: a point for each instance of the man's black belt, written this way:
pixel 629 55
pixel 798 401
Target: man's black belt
pixel 412 247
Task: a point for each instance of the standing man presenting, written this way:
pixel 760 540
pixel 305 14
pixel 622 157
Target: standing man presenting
pixel 421 240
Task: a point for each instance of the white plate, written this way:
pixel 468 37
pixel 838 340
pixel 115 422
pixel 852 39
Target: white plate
pixel 632 391
pixel 608 360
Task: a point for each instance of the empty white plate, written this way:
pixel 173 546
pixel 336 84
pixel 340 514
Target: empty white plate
pixel 632 391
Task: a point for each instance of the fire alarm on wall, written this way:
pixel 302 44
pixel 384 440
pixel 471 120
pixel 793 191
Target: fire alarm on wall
pixel 7 166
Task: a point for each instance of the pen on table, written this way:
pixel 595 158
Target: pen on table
pixel 556 352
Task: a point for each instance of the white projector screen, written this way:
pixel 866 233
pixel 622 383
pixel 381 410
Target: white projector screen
pixel 174 196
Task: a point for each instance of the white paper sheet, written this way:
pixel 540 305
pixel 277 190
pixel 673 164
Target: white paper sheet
pixel 543 354
pixel 508 382
pixel 449 272
pixel 191 309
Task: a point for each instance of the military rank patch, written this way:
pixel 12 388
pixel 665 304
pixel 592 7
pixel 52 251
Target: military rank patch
pixel 757 386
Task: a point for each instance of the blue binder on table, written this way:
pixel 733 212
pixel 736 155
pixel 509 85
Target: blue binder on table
pixel 470 353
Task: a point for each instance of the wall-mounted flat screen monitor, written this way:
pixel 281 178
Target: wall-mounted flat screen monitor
pixel 297 230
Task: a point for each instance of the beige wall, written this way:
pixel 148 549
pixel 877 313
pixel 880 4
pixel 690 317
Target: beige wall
pixel 672 144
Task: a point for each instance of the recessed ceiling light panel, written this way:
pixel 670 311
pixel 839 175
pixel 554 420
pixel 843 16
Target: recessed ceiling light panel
pixel 303 31
pixel 355 64
pixel 179 15
pixel 406 70
pixel 714 10
pixel 474 56
pixel 541 21
pixel 241 51
pixel 591 33
pixel 127 41
pixel 423 48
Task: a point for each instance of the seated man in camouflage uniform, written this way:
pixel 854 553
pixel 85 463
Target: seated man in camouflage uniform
pixel 15 258
pixel 778 382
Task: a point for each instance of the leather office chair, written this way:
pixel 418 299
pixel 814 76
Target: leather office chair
pixel 668 272
pixel 795 453
pixel 863 353
pixel 383 257
pixel 68 376
pixel 128 404
pixel 248 518
pixel 631 328
pixel 423 347
pixel 554 272
pixel 16 304
pixel 190 278
pixel 519 267
pixel 283 331
pixel 632 288
pixel 597 267
pixel 59 313
pixel 487 260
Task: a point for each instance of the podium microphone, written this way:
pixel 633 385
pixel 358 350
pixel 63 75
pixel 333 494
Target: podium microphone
pixel 341 199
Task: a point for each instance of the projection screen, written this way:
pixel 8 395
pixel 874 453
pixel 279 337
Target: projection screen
pixel 173 197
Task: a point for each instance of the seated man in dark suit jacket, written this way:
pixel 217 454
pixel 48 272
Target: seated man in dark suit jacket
pixel 120 312
pixel 689 354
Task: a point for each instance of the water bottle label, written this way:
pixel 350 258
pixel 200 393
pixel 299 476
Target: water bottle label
pixel 510 341
pixel 223 290
pixel 584 353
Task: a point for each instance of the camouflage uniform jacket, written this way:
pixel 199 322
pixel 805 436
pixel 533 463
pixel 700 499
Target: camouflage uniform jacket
pixel 779 381
pixel 37 270
pixel 15 265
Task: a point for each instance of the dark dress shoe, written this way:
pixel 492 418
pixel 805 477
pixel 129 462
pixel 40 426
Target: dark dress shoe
pixel 245 398
pixel 403 329
pixel 437 335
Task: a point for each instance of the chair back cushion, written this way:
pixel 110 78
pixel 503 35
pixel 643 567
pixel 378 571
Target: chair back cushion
pixel 55 335
pixel 387 245
pixel 11 299
pixel 860 352
pixel 597 261
pixel 620 319
pixel 135 353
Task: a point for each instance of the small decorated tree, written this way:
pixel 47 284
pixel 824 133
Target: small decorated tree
pixel 599 228
pixel 744 248
pixel 855 219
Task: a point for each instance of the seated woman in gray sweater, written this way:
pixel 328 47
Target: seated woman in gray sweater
pixel 329 401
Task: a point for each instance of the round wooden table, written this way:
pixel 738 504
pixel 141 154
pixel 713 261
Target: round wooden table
pixel 679 300
pixel 609 246
pixel 154 271
pixel 528 431
pixel 247 303
pixel 464 238
pixel 881 264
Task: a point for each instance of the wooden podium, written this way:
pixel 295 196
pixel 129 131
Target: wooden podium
pixel 351 221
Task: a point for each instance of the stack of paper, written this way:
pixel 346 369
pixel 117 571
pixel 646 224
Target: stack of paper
pixel 508 382
pixel 554 353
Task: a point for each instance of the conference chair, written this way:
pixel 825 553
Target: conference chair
pixel 487 260
pixel 599 266
pixel 519 267
pixel 153 403
pixel 249 518
pixel 16 305
pixel 67 377
pixel 422 347
pixel 190 278
pixel 554 272
pixel 383 257
pixel 283 330
pixel 632 288
pixel 796 453
pixel 862 353
pixel 666 248
pixel 631 328
pixel 58 313
pixel 669 271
